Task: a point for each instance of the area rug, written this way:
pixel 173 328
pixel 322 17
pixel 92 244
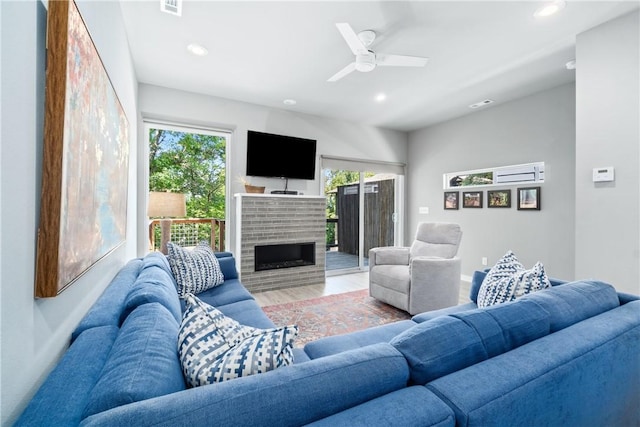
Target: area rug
pixel 333 315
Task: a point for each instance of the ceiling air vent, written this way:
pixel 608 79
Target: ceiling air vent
pixel 173 7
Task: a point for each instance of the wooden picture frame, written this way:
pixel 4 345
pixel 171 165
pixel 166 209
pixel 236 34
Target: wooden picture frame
pixel 498 198
pixel 451 200
pixel 472 199
pixel 83 205
pixel 529 199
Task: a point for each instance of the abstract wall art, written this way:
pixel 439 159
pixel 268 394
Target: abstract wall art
pixel 83 206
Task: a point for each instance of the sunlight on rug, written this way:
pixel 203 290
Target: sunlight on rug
pixel 333 315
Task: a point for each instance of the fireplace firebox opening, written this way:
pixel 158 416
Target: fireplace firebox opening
pixel 270 257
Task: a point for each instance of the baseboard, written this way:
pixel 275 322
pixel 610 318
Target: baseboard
pixel 465 278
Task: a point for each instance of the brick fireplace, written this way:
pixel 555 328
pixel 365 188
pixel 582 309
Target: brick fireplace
pixel 280 240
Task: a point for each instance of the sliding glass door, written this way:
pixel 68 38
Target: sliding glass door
pixel 363 212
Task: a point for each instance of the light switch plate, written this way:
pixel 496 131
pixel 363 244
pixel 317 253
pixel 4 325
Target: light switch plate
pixel 423 210
pixel 603 174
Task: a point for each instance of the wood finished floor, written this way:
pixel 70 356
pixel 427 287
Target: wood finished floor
pixel 333 285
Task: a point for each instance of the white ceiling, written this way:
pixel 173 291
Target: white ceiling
pixel 263 52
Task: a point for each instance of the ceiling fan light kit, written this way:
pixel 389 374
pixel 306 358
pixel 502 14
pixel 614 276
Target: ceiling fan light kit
pixel 365 59
pixel 366 62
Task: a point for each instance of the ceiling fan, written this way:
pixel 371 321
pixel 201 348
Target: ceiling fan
pixel 366 60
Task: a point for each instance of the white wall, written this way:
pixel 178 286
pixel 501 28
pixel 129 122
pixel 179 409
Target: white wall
pixel 608 134
pixel 536 128
pixel 335 137
pixel 36 332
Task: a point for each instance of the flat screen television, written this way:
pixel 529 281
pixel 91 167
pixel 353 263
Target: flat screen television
pixel 280 156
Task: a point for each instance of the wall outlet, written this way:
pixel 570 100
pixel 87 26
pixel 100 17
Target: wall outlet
pixel 484 260
pixel 423 210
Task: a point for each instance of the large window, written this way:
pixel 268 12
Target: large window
pixel 191 162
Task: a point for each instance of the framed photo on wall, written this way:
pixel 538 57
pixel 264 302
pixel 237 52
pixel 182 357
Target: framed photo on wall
pixel 472 199
pixel 499 198
pixel 529 199
pixel 451 199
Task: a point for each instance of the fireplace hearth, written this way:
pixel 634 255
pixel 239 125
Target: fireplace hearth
pixel 272 257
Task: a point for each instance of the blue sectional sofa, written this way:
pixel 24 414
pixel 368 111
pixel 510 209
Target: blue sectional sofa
pixel 567 355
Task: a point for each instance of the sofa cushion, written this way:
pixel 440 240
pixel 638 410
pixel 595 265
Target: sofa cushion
pixel 62 397
pixel 247 312
pixel 195 270
pixel 428 315
pixel 508 280
pixel 143 362
pixel 292 396
pixel 158 259
pixel 232 290
pixel 409 406
pixel 438 347
pixel 227 264
pixel 504 327
pixel 215 348
pixel 339 343
pixel 153 284
pixel 107 309
pixel 575 301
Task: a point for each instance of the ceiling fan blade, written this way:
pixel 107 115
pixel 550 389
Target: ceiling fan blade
pixel 356 46
pixel 340 74
pixel 400 60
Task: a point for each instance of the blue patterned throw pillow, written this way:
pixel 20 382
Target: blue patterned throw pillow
pixel 214 348
pixel 195 270
pixel 508 280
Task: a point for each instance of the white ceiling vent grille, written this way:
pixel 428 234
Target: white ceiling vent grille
pixel 173 7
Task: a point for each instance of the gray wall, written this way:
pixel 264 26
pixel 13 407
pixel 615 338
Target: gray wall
pixel 608 134
pixel 35 332
pixel 536 128
pixel 335 137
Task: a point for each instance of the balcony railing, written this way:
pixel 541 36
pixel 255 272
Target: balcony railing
pixel 188 232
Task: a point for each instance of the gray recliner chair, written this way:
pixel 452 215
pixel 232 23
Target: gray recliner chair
pixel 423 277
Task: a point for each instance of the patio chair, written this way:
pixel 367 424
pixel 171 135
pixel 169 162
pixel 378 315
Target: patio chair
pixel 423 277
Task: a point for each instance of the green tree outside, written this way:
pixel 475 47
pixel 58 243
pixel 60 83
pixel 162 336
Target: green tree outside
pixel 193 164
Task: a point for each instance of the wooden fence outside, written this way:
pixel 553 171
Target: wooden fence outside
pixel 378 222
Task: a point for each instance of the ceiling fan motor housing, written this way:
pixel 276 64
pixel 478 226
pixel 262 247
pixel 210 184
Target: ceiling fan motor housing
pixel 366 62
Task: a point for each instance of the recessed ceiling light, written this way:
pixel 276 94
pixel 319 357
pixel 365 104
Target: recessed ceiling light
pixel 549 9
pixel 481 103
pixel 381 97
pixel 290 102
pixel 197 49
pixel 571 65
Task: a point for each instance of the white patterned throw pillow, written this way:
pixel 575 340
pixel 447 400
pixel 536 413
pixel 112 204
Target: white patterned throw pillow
pixel 195 270
pixel 214 348
pixel 508 280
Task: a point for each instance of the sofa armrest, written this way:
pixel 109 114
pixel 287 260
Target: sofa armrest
pixel 389 255
pixel 435 283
